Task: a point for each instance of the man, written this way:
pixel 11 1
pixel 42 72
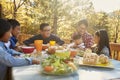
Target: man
pixel 45 35
pixel 82 30
pixel 14 33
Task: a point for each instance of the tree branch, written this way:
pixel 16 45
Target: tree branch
pixel 20 4
pixel 14 2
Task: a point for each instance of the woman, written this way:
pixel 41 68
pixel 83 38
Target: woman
pixel 102 41
pixel 6 55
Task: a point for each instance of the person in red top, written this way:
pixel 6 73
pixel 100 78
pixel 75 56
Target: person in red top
pixel 82 30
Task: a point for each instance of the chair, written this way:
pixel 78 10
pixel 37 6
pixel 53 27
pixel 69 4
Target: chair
pixel 115 51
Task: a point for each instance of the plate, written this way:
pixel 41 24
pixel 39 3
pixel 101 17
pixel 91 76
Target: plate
pixel 109 65
pixel 55 74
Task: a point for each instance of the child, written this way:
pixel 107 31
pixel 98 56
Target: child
pixel 77 42
pixel 14 33
pixel 102 43
pixel 6 58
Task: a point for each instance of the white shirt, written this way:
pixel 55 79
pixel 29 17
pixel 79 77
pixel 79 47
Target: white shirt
pixel 7 44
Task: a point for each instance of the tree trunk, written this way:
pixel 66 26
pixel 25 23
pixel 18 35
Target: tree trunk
pixel 55 24
pixel 55 18
pixel 0 10
pixel 14 10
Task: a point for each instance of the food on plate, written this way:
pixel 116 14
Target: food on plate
pixel 71 64
pixel 56 65
pixel 48 68
pixel 51 50
pixel 81 53
pixel 68 60
pixel 90 58
pixel 103 59
pixel 93 59
pixel 44 46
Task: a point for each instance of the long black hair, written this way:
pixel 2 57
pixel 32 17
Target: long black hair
pixel 104 40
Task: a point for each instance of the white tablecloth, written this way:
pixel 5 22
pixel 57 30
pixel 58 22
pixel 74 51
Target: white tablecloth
pixel 84 73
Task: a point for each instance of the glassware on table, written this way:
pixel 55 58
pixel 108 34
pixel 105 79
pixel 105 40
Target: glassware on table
pixel 52 43
pixel 73 53
pixel 38 45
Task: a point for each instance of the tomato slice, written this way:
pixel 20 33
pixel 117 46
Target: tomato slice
pixel 48 68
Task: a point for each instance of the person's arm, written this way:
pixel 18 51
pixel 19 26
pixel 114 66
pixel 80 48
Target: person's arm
pixel 105 51
pixel 11 61
pixel 59 41
pixel 82 46
pixel 13 52
pixel 30 41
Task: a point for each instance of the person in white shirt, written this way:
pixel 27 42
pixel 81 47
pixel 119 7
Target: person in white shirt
pixel 77 42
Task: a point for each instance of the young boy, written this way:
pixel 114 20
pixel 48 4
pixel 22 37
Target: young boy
pixel 6 58
pixel 77 42
pixel 14 33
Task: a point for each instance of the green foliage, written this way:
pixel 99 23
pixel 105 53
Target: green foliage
pixel 62 15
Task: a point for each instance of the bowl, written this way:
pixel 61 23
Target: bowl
pixel 62 53
pixel 28 50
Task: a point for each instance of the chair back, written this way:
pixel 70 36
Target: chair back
pixel 115 50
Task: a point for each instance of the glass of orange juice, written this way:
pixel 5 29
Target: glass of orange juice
pixel 52 43
pixel 38 45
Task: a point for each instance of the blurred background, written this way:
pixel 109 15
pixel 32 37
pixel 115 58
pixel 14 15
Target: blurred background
pixel 63 15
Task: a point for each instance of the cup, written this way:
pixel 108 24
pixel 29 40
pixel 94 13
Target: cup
pixel 38 45
pixel 52 43
pixel 73 53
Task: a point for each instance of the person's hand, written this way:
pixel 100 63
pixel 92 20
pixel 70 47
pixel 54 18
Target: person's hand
pixel 35 61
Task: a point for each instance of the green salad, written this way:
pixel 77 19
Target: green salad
pixel 56 65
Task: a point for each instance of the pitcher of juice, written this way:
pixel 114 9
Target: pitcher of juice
pixel 52 43
pixel 38 45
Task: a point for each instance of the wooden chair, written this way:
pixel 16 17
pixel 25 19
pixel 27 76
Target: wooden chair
pixel 115 51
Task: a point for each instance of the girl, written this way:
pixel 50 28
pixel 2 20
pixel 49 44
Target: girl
pixel 6 55
pixel 102 43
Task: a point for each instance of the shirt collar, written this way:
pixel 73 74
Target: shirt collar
pixel 13 38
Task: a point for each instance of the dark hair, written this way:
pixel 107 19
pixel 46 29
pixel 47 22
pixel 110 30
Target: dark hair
pixel 43 25
pixel 77 36
pixel 104 40
pixel 14 23
pixel 83 21
pixel 4 27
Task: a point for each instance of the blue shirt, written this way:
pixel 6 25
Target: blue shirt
pixel 13 42
pixel 7 60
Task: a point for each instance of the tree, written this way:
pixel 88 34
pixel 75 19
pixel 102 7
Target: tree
pixel 0 10
pixel 17 4
pixel 115 25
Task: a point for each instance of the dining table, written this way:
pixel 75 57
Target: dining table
pixel 33 72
